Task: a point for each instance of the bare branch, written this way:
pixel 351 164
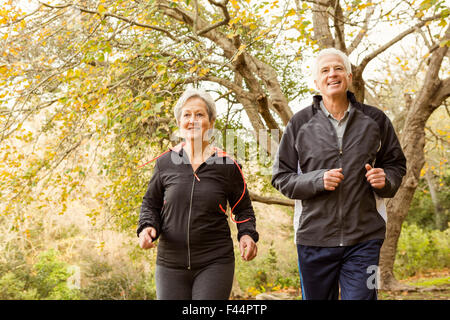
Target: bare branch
pixel 271 200
pixel 363 30
pixel 223 7
pixel 396 39
pixel 339 26
pixel 227 84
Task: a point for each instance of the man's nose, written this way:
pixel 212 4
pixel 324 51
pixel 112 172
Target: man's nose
pixel 332 72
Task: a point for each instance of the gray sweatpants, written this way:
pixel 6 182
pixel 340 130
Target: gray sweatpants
pixel 212 282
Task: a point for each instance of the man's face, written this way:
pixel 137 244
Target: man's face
pixel 332 78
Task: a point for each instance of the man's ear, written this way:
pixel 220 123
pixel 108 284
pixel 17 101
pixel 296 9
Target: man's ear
pixel 350 82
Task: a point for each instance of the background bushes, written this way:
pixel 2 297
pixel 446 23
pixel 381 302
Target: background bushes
pixel 64 257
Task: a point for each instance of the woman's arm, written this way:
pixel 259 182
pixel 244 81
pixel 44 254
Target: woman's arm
pixel 152 204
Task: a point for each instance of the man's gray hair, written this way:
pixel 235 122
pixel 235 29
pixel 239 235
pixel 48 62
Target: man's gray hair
pixel 327 52
pixel 193 93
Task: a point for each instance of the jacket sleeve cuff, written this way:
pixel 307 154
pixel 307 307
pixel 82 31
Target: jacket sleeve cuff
pixel 318 182
pixel 146 225
pixel 386 191
pixel 254 235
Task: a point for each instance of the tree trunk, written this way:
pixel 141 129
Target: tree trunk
pixel 440 218
pixel 430 97
pixel 397 208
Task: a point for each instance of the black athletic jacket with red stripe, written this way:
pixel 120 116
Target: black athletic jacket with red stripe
pixel 184 209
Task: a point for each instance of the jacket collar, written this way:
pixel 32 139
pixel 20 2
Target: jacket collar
pixel 179 149
pixel 350 96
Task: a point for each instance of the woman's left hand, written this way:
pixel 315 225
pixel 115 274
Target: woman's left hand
pixel 248 248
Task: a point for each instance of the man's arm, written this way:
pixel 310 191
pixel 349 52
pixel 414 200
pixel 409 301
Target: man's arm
pixel 286 176
pixel 392 160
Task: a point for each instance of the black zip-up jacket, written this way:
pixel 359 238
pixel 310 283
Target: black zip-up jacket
pixel 353 212
pixel 184 209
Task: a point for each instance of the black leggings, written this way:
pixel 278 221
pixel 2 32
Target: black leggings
pixel 212 282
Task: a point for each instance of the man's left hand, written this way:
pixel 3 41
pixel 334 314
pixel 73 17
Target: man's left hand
pixel 376 177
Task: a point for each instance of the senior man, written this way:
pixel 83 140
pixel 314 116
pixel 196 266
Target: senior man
pixel 338 158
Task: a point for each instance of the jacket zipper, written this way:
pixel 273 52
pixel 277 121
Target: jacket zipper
pixel 340 155
pixel 189 223
pixel 341 218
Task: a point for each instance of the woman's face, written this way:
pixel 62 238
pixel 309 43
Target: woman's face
pixel 194 120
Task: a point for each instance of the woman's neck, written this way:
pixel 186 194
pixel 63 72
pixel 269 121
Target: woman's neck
pixel 198 152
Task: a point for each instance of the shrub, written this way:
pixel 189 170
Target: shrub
pixel 420 249
pixel 51 278
pixel 14 288
pixel 118 280
pixel 272 271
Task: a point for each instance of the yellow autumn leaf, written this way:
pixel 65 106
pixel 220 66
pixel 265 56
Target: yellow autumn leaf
pixel 422 172
pixel 204 71
pixel 290 13
pixel 101 9
pixel 193 69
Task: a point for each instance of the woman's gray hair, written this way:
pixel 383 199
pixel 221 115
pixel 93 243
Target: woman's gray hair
pixel 193 93
pixel 327 52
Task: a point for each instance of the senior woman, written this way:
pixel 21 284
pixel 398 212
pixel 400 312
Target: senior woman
pixel 183 207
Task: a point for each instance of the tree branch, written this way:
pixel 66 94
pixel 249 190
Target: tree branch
pixel 271 200
pixel 339 26
pixel 227 84
pixel 112 15
pixel 362 32
pixel 322 32
pixel 442 94
pixel 396 39
pixel 223 7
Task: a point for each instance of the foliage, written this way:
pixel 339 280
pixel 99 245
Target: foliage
pixel 88 87
pixel 46 279
pixel 14 288
pixel 87 90
pixel 79 265
pixel 422 210
pixel 269 272
pixel 420 249
pixel 50 279
pixel 123 279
